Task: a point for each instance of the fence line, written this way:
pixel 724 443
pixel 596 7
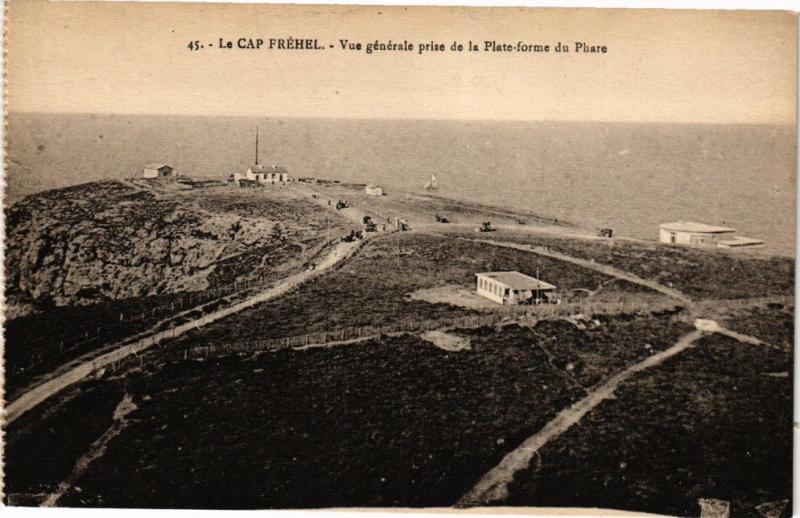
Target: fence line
pixel 509 313
pixel 34 395
pixel 190 301
pixel 588 309
pixel 465 322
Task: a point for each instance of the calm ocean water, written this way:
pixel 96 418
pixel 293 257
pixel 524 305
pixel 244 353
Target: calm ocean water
pixel 630 177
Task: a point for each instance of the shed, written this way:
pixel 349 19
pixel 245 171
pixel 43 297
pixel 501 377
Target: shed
pixel 692 233
pixel 157 171
pixel 513 288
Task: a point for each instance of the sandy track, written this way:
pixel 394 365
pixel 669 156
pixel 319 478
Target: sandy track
pixel 493 486
pixel 96 450
pixel 89 365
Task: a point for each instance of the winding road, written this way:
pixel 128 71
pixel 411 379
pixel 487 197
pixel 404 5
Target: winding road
pixel 89 364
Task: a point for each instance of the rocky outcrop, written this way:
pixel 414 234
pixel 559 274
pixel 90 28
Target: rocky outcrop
pixel 110 240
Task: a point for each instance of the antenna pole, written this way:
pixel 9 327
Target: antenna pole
pixel 256 144
pixel 180 159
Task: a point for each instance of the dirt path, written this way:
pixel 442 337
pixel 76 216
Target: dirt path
pixel 152 329
pixel 747 339
pixel 602 268
pixel 528 229
pixel 324 200
pixel 353 212
pixel 493 486
pixel 88 365
pixel 96 450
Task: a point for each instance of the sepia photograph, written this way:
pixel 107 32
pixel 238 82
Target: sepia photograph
pixel 453 259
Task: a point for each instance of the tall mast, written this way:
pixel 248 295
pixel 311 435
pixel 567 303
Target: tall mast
pixel 180 159
pixel 256 144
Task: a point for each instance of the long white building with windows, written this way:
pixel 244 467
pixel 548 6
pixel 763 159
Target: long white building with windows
pixel 513 288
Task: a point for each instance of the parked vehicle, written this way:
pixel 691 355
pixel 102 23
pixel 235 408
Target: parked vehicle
pixel 354 235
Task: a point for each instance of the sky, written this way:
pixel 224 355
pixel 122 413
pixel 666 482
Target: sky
pixel 662 66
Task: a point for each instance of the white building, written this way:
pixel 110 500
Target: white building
pixel 157 171
pixel 267 174
pixel 691 233
pixel 513 288
pixel 262 174
pixel 374 190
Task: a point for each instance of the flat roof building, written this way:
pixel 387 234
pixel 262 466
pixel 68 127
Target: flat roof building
pixel 691 233
pixel 513 288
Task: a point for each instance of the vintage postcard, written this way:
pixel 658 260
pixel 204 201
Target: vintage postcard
pixel 311 257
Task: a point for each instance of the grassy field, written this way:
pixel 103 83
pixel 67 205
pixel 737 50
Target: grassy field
pixel 396 422
pixel 42 447
pixel 387 422
pixel 713 422
pixel 701 274
pixel 593 354
pixel 373 288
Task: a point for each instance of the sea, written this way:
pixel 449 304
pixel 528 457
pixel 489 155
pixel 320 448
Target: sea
pixel 626 176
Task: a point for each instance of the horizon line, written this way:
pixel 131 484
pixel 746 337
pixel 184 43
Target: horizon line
pixel 791 124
